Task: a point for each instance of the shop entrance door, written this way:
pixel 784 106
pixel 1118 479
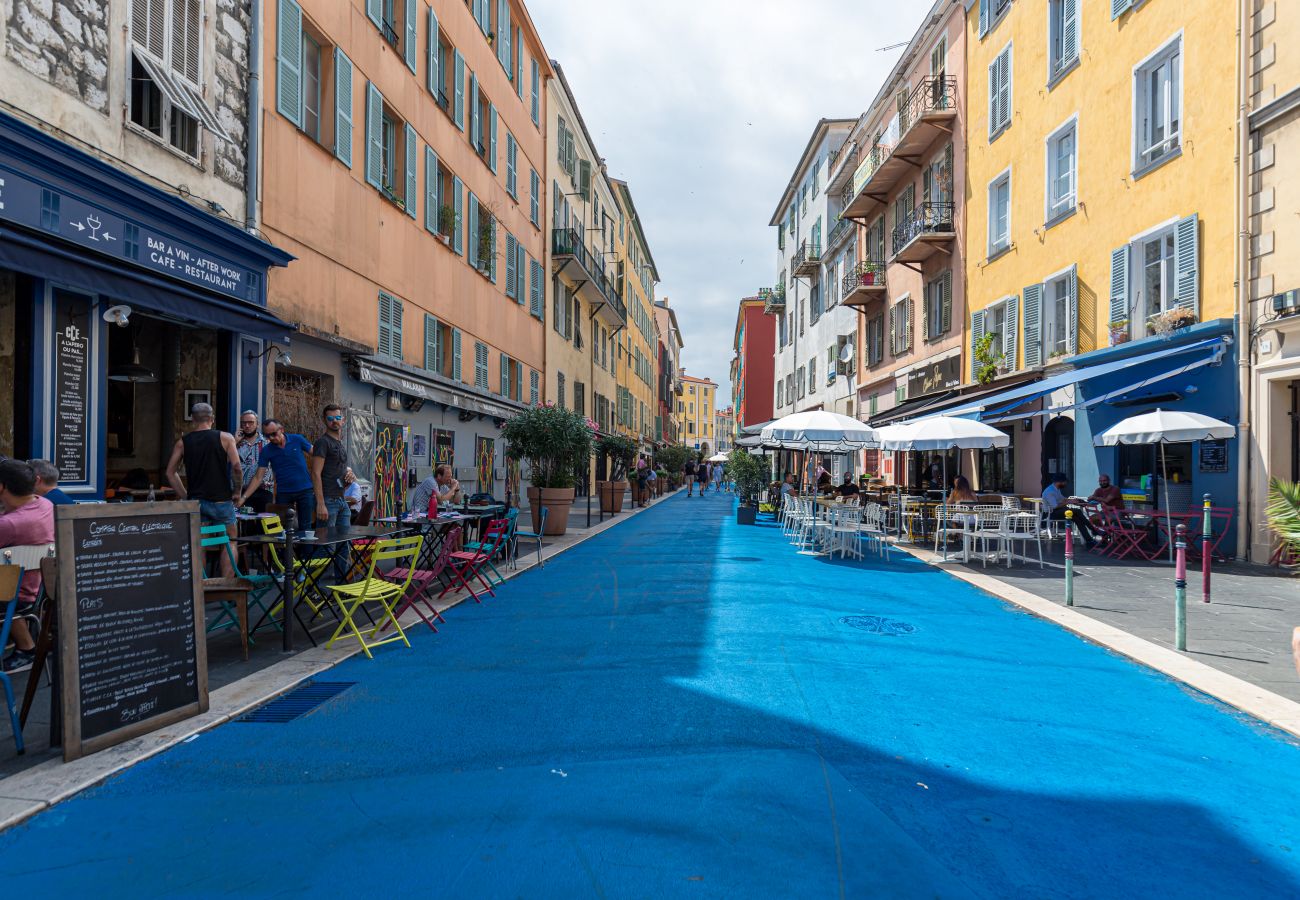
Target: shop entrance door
pixel 1058 451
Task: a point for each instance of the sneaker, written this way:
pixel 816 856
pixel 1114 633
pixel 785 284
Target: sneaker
pixel 19 660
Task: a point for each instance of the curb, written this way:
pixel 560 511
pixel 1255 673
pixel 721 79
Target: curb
pixel 34 790
pixel 1238 693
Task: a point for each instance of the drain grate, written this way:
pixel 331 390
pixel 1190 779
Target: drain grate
pixel 297 702
pixel 878 624
pixel 746 559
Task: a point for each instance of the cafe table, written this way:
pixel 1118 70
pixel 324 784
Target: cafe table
pixel 324 542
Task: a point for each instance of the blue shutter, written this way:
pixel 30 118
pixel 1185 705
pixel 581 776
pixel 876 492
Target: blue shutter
pixel 492 247
pixel 519 62
pixel 521 259
pixel 511 155
pixel 1069 29
pixel 984 17
pixel 288 58
pixel 455 354
pixel 535 189
pixel 410 40
pixel 471 233
pixel 976 333
pixel 510 265
pixel 342 107
pixel 536 306
pixel 383 342
pixel 503 33
pixel 430 343
pixel 475 126
pixel 492 138
pixel 1186 265
pixel 430 189
pixel 533 387
pixel 1073 306
pixel 1119 284
pixel 505 376
pixel 375 12
pixel 1117 7
pixel 537 92
pixel 1012 332
pixel 459 89
pixel 374 135
pixel 412 145
pixel 519 381
pixel 434 54
pixel 1032 311
pixel 457 204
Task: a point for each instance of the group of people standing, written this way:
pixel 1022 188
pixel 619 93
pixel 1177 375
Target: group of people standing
pixel 703 473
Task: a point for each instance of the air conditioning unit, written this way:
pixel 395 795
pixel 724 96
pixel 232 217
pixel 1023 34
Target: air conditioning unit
pixel 1287 303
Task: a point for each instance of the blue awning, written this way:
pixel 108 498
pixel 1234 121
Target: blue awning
pixel 26 253
pixel 1003 403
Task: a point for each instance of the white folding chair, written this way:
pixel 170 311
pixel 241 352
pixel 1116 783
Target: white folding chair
pixel 846 525
pixel 1021 527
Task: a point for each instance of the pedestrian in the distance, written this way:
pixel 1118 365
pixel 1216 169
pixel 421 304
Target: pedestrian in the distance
pixel 688 473
pixel 702 475
pixel 717 477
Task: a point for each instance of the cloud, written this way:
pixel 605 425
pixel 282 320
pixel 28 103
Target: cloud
pixel 703 108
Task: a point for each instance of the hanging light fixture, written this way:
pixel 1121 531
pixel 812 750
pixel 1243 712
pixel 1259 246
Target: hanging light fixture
pixel 133 372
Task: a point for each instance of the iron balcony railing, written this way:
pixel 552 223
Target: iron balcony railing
pixel 864 274
pixel 937 93
pixel 846 195
pixel 773 298
pixel 808 252
pixel 839 232
pixel 390 33
pixel 871 161
pixel 566 242
pixel 929 217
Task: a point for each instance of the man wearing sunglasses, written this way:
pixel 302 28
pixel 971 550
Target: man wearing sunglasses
pixel 249 442
pixel 329 472
pixel 286 456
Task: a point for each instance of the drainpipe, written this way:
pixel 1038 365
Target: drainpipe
pixel 254 116
pixel 1245 343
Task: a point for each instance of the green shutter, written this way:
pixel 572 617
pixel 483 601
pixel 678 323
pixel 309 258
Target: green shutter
pixel 342 107
pixel 455 354
pixel 1186 265
pixel 430 343
pixel 945 309
pixel 1074 308
pixel 457 204
pixel 535 191
pixel 521 259
pixel 374 135
pixel 412 146
pixel 459 89
pixel 976 334
pixel 504 387
pixel 534 385
pixel 471 233
pixel 510 265
pixel 375 12
pixel 434 54
pixel 475 125
pixel 492 248
pixel 1032 311
pixel 519 381
pixel 492 138
pixel 1012 332
pixel 383 342
pixel 511 157
pixel 288 59
pixel 410 38
pixel 430 189
pixel 536 305
pixel 1119 284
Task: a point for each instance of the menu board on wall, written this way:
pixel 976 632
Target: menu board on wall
pixel 71 351
pixel 130 621
pixel 1214 456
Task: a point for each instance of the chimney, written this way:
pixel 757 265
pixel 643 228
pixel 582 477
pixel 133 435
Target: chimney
pixel 664 301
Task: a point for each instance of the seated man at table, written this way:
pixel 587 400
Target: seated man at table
pixel 440 482
pixel 1107 494
pixel 1055 502
pixel 848 488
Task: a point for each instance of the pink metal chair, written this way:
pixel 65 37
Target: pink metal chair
pixel 421 579
pixel 466 566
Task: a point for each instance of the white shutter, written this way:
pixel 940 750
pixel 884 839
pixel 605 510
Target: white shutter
pixel 288 62
pixel 374 12
pixel 1117 7
pixel 149 25
pixel 1186 263
pixel 1119 284
pixel 185 39
pixel 984 17
pixel 342 107
pixel 1032 309
pixel 1069 30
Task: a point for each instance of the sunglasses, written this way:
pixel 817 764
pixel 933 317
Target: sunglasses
pixel 333 418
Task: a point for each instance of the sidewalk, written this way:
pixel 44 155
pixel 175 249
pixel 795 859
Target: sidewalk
pixel 1244 631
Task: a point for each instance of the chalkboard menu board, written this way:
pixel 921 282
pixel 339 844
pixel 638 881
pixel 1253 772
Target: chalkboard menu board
pixel 131 621
pixel 71 386
pixel 1214 456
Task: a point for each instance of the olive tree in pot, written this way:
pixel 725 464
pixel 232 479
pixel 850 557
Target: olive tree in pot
pixel 556 443
pixel 622 454
pixel 748 474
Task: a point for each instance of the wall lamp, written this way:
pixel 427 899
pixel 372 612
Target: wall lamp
pixel 284 356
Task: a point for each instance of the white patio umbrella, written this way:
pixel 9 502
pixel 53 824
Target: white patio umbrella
pixel 1165 427
pixel 944 433
pixel 819 431
pixel 719 457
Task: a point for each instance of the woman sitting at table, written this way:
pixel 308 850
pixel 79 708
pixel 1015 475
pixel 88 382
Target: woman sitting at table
pixel 961 491
pixel 824 484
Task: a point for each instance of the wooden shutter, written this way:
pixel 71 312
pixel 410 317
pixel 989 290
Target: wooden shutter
pixel 945 304
pixel 492 138
pixel 1119 284
pixel 430 190
pixel 430 343
pixel 471 233
pixel 1186 265
pixel 976 334
pixel 434 54
pixel 1073 306
pixel 288 62
pixel 1117 7
pixel 455 355
pixel 505 376
pixel 342 107
pixel 458 92
pixel 511 271
pixel 893 329
pixel 410 37
pixel 1032 311
pixel 909 313
pixel 1012 331
pixel 1069 29
pixel 457 204
pixel 412 149
pixel 374 135
pixel 535 303
pixel 375 12
pixel 475 121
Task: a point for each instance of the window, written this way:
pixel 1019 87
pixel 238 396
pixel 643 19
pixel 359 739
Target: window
pixel 390 327
pixel 998 319
pixel 1155 272
pixel 876 340
pixel 480 365
pixel 310 87
pixel 991 13
pixel 1062 171
pixel 166 73
pixel 938 306
pixel 535 197
pixel 434 344
pixel 1000 93
pixel 391 153
pixel 1058 317
pixel 579 397
pixel 900 327
pixel 439 72
pixel 1157 107
pixel 1000 214
pixel 1063 38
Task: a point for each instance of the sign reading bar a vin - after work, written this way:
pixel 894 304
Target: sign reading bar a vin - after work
pixel 132 650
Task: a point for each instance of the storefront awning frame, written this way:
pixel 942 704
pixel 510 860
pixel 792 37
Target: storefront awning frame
pixel 370 370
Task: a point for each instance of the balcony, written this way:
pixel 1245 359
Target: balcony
pixel 863 199
pixel 843 228
pixel 773 298
pixel 807 260
pixel 841 167
pixel 864 283
pixel 927 230
pixel 571 258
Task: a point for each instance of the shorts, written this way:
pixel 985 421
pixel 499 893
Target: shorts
pixel 217 512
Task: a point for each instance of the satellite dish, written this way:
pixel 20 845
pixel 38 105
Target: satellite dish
pixel 118 315
pixel 846 353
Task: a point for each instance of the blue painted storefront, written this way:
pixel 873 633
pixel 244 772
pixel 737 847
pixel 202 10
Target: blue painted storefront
pixel 85 236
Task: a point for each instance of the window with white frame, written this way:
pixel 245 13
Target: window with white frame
pixel 1000 320
pixel 1062 171
pixel 1155 258
pixel 1063 37
pixel 938 306
pixel 1058 327
pixel 1157 106
pixel 1000 213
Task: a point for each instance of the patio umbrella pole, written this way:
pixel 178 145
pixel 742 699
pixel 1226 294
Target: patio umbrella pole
pixel 1169 516
pixel 944 488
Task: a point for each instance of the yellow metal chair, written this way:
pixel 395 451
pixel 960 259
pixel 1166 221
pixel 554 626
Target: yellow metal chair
pixel 404 552
pixel 307 589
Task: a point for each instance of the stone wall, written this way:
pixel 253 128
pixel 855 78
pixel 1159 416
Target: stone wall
pixel 64 42
pixel 229 94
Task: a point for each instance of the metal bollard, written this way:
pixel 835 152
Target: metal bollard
pixel 1180 589
pixel 1069 557
pixel 1207 541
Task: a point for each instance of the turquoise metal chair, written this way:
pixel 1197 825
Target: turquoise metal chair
pixel 502 548
pixel 211 536
pixel 532 535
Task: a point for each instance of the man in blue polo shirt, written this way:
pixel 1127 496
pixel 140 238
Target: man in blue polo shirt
pixel 286 455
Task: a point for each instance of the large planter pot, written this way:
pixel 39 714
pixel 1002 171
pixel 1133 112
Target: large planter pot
pixel 745 515
pixel 557 501
pixel 611 495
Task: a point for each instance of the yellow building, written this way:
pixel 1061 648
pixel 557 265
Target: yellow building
pixel 695 409
pixel 1100 221
pixel 637 403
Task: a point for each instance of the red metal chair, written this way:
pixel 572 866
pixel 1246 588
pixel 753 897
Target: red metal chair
pixel 465 566
pixel 1122 536
pixel 421 579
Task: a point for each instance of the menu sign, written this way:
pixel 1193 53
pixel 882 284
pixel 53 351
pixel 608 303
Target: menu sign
pixel 131 621
pixel 1214 456
pixel 72 387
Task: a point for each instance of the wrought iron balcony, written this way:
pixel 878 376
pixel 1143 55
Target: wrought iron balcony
pixel 571 257
pixel 864 283
pixel 843 228
pixel 932 104
pixel 807 259
pixel 773 298
pixel 863 198
pixel 926 230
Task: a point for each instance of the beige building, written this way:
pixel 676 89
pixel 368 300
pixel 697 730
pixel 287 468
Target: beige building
pixel 695 407
pixel 724 427
pixel 671 388
pixel 1269 201
pixel 636 278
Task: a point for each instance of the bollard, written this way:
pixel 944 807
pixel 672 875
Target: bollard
pixel 1207 541
pixel 1180 590
pixel 1069 557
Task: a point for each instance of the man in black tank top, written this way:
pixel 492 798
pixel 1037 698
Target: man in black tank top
pixel 213 474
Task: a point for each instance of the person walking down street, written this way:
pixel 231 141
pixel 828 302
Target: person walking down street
pixel 702 475
pixel 286 456
pixel 1055 500
pixel 47 482
pixel 213 475
pixel 717 477
pixel 28 520
pixel 688 473
pixel 641 467
pixel 249 442
pixel 329 471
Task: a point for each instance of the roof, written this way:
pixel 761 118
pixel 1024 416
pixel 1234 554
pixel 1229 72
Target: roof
pixel 626 192
pixel 699 380
pixel 819 131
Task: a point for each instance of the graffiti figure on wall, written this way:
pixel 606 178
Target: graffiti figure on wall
pixel 390 468
pixel 483 458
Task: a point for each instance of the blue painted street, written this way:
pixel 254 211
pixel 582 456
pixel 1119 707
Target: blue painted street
pixel 682 706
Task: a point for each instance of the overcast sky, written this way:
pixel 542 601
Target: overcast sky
pixel 703 107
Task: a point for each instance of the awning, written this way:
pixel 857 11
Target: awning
pixel 427 389
pixel 87 273
pixel 931 405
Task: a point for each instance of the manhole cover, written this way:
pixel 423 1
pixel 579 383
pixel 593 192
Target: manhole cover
pixel 878 624
pixel 746 559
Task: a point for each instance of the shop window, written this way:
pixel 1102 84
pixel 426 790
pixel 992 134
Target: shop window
pixel 997 468
pixel 1157 108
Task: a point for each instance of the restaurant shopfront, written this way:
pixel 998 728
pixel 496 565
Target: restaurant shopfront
pixel 121 305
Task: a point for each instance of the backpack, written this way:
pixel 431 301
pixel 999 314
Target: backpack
pixel 689 468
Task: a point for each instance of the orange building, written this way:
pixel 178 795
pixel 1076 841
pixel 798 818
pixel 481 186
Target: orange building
pixel 404 147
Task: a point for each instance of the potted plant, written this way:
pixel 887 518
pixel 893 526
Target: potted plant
pixel 556 443
pixel 447 219
pixel 750 476
pixel 1169 321
pixel 672 458
pixel 1118 332
pixel 621 452
pixel 661 482
pixel 872 273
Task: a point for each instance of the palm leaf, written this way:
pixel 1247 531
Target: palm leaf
pixel 1284 510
